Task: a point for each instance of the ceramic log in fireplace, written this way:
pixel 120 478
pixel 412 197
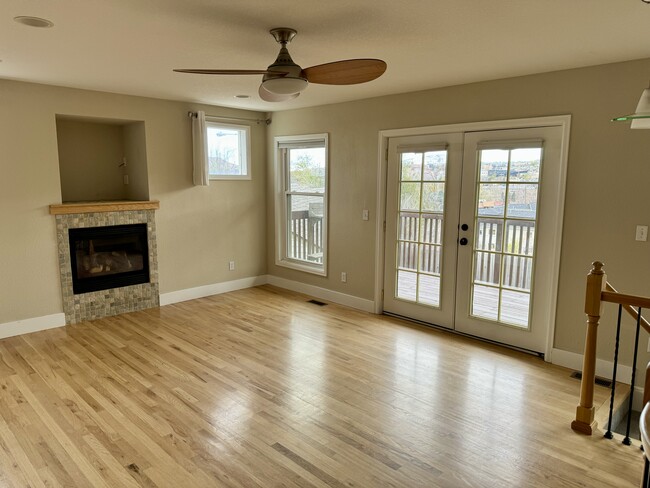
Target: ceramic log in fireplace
pixel 108 257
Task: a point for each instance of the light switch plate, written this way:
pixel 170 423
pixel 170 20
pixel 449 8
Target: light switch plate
pixel 642 233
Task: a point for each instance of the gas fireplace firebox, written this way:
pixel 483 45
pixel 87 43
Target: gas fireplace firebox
pixel 108 257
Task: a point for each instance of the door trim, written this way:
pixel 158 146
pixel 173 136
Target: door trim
pixel 563 121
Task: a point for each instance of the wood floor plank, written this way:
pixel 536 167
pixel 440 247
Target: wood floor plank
pixel 258 388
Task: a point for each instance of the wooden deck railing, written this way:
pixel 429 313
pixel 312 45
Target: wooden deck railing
pixel 306 237
pixel 598 292
pixel 518 243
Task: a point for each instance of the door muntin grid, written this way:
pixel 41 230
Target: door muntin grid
pixel 422 185
pixel 505 222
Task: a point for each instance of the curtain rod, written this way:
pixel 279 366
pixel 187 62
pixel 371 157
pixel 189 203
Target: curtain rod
pixel 258 121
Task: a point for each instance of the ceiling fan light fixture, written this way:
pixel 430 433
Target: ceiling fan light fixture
pixel 285 85
pixel 641 117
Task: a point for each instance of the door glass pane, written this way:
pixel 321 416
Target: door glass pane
pixel 520 237
pixel 410 196
pixel 411 167
pixel 504 234
pixel 491 199
pixel 429 259
pixel 435 166
pixel 494 165
pixel 525 164
pixel 522 201
pixel 433 197
pixel 431 230
pixel 407 286
pixel 485 302
pixel 408 226
pixel 419 230
pixel 489 235
pixel 429 290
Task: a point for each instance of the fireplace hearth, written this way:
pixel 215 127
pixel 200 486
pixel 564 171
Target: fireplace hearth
pixel 108 257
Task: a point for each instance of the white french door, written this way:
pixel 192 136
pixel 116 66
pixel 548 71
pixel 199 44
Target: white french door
pixel 470 241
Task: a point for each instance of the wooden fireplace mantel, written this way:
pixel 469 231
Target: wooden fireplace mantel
pixel 90 207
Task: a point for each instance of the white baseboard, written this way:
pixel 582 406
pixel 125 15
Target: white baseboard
pixel 213 289
pixel 323 294
pixel 604 368
pixel 34 324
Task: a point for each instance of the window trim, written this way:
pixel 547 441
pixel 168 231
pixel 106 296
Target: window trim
pixel 281 192
pixel 245 148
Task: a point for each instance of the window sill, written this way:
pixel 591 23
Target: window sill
pixel 315 269
pixel 229 177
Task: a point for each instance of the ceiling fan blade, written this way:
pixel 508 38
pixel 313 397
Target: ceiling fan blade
pixel 267 96
pixel 223 71
pixel 347 72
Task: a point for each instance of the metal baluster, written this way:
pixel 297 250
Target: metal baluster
pixel 609 434
pixel 627 440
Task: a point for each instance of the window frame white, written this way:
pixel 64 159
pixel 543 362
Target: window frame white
pixel 282 191
pixel 244 148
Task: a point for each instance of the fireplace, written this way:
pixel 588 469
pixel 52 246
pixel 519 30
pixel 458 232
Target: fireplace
pixel 108 257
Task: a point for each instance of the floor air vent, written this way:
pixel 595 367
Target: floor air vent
pixel 316 302
pixel 599 381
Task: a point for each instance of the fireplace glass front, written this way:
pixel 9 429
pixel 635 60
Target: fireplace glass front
pixel 108 257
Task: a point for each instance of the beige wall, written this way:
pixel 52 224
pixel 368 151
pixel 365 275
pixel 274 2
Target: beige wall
pixel 199 228
pixel 90 154
pixel 607 184
pixel 135 151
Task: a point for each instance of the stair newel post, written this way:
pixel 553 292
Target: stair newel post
pixel 596 281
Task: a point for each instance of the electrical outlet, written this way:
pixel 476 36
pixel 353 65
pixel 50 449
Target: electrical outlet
pixel 344 277
pixel 642 233
pixel 365 215
pixel 231 266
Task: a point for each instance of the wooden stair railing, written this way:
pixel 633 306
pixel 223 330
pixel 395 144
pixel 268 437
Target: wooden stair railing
pixel 599 291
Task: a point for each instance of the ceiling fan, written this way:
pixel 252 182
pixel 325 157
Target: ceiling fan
pixel 284 79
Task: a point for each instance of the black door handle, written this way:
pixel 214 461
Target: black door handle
pixel 464 227
pixel 463 241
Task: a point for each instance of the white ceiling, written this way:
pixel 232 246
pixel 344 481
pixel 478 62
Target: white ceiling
pixel 131 46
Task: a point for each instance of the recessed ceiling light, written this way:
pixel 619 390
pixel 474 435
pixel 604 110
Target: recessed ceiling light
pixel 242 96
pixel 33 21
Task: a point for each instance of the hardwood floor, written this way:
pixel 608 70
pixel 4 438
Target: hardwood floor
pixel 258 388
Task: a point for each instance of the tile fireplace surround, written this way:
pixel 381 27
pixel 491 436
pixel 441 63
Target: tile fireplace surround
pixel 98 304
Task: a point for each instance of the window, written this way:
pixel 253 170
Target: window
pixel 301 205
pixel 228 151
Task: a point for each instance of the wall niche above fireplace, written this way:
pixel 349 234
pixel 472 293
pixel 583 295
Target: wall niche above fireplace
pixel 101 159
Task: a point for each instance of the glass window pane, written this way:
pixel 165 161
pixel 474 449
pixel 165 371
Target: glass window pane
pixel 487 267
pixel 431 231
pixel 411 166
pixel 491 199
pixel 520 237
pixel 429 290
pixel 408 226
pixel 307 170
pixel 485 302
pixel 517 272
pixel 433 197
pixel 224 152
pixel 494 165
pixel 407 255
pixel 515 307
pixel 410 196
pixel 435 166
pixel 522 201
pixel 430 259
pixel 488 235
pixel 305 228
pixel 406 285
pixel 524 164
